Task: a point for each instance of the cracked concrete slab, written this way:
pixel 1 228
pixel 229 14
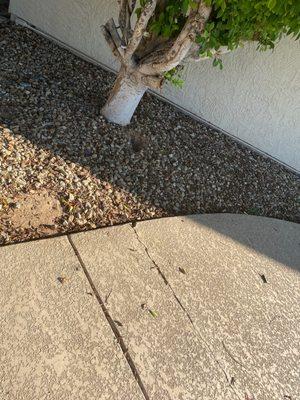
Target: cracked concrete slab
pixel 172 359
pixel 238 277
pixel 55 342
pixel 209 307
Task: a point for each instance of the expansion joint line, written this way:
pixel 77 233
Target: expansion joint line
pixel 198 334
pixel 111 323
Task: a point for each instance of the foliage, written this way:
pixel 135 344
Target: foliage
pixel 231 23
pixel 236 21
pixel 174 77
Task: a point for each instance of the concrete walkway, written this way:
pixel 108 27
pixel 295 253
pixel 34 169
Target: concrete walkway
pixel 187 308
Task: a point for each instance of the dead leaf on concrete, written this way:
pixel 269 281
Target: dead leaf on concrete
pixel 263 278
pixel 61 279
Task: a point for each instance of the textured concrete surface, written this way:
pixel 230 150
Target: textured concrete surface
pixel 206 307
pixel 172 359
pixel 252 327
pixel 55 342
pixel 217 319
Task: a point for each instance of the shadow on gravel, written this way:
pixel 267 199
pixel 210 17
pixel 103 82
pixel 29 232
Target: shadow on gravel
pixel 163 164
pixel 4 6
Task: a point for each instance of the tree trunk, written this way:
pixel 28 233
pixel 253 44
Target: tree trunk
pixel 124 98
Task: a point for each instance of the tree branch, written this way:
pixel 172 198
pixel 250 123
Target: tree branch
pixel 194 25
pixel 111 43
pixel 140 28
pixel 153 82
pixel 124 18
pixel 111 27
pixel 132 4
pixel 155 54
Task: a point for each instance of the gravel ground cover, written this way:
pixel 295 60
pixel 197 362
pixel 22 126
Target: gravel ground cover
pixel 64 168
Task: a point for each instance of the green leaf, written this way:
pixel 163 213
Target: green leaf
pixel 185 6
pixel 271 4
pixel 153 313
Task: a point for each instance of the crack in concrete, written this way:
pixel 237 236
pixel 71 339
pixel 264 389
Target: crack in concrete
pixel 198 334
pixel 111 323
pixel 232 357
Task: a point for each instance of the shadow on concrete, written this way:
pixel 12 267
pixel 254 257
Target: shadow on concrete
pixel 273 238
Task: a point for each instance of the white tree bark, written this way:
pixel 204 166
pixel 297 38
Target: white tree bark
pixel 139 69
pixel 124 99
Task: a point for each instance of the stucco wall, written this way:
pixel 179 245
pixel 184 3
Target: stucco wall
pixel 256 97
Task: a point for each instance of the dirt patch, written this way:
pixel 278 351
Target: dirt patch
pixel 37 211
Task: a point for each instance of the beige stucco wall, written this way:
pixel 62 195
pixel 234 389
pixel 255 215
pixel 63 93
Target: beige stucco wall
pixel 256 97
